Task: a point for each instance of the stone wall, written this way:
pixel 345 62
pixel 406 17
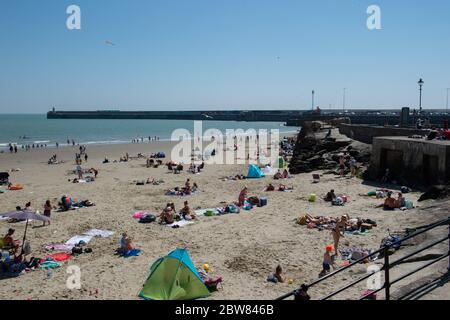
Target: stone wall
pixel 366 133
pixel 414 161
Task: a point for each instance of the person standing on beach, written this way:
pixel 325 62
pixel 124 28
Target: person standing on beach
pixel 47 210
pixel 342 165
pixel 57 145
pixel 15 148
pixel 85 157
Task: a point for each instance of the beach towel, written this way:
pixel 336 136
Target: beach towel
pixel 203 212
pixel 50 265
pixel 99 233
pixel 58 247
pixel 140 214
pixel 180 224
pixel 76 239
pixel 131 253
pixel 358 233
pixel 58 257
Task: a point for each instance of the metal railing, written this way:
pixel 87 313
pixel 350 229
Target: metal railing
pixel 387 266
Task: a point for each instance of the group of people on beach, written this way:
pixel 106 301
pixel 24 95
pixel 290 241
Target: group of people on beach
pixel 138 140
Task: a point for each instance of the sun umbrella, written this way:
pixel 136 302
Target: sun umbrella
pixel 25 215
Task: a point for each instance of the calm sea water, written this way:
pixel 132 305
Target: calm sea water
pixel 39 129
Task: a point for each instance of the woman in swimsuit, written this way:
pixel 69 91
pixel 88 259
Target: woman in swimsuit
pixel 338 232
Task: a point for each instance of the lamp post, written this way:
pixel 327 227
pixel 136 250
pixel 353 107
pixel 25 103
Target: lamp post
pixel 446 105
pixel 343 101
pixel 420 83
pixel 312 105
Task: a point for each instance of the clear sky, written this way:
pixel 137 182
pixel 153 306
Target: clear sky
pixel 221 54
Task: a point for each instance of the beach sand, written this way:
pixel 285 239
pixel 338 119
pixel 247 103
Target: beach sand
pixel 242 248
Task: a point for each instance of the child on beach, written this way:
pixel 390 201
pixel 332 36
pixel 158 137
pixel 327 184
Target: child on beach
pixel 277 276
pixel 327 261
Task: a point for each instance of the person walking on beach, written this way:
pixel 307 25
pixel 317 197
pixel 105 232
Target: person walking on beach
pixel 342 165
pixel 85 157
pixel 15 148
pixel 338 232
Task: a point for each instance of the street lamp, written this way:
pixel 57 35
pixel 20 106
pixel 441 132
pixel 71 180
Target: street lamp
pixel 312 105
pixel 420 83
pixel 446 105
pixel 343 101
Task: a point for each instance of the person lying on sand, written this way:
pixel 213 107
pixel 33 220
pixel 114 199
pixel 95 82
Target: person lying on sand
pixel 270 187
pixel 282 187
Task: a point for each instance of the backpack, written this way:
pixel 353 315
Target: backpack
pixel 147 218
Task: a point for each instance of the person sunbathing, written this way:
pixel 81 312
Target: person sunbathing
pixel 282 187
pixel 150 180
pixel 9 242
pixel 270 187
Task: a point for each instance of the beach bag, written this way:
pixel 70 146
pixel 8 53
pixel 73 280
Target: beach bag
pixel 338 202
pixel 147 218
pixel 209 213
pixel 262 202
pixel 302 221
pixel 371 193
pixel 77 250
pixel 312 197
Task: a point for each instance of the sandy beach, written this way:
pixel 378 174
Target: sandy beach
pixel 243 248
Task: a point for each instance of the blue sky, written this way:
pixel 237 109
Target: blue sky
pixel 211 54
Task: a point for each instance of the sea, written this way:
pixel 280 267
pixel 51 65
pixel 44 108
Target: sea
pixel 23 129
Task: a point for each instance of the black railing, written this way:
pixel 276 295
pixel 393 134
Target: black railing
pixel 387 266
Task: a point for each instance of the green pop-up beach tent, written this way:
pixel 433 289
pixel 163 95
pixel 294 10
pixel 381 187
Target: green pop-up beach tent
pixel 174 278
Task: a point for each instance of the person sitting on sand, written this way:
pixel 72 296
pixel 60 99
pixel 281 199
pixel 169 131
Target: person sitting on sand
pixel 150 180
pixel 400 202
pixel 106 160
pixel 277 276
pixel 270 187
pixel 10 242
pixel 389 203
pixel 242 196
pixel 167 216
pixel 285 174
pixel 95 171
pixel 331 196
pixel 186 213
pixel 194 187
pixel 278 175
pixel 387 176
